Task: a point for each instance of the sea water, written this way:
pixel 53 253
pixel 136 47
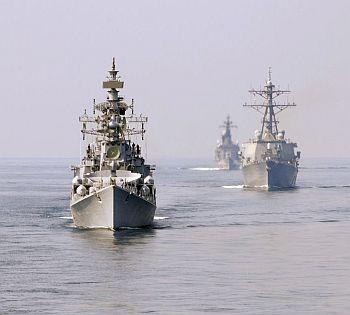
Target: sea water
pixel 215 247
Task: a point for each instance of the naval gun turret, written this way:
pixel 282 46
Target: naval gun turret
pixel 268 160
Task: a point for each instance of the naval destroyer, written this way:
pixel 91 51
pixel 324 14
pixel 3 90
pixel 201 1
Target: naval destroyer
pixel 226 153
pixel 113 187
pixel 269 161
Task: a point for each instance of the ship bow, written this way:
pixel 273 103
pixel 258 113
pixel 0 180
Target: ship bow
pixel 113 207
pixel 270 175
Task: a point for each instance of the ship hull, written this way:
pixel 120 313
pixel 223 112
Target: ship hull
pixel 112 207
pixel 270 175
pixel 228 164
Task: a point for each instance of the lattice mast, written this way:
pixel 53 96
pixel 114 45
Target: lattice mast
pixel 269 108
pixel 228 125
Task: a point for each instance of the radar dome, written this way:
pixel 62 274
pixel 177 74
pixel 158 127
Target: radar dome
pixel 76 180
pixel 149 180
pixel 280 136
pixel 81 190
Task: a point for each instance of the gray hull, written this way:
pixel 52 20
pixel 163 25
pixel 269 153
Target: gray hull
pixel 270 175
pixel 229 164
pixel 112 207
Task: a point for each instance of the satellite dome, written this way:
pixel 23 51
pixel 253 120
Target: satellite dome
pixel 149 180
pixel 76 180
pixel 81 190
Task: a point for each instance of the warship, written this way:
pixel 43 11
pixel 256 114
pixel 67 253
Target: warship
pixel 226 153
pixel 268 160
pixel 113 187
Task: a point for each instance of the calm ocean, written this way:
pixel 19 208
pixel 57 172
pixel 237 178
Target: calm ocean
pixel 214 247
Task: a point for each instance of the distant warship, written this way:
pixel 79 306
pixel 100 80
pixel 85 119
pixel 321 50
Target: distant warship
pixel 226 153
pixel 113 187
pixel 268 160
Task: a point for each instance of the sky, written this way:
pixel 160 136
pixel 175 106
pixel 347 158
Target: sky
pixel 186 63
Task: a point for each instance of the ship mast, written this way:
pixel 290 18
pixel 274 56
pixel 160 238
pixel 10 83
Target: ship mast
pixel 228 125
pixel 112 123
pixel 269 108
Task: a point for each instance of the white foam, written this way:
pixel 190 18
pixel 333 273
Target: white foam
pixel 234 187
pixel 205 169
pixel 160 218
pixel 94 227
pixel 262 186
pixel 66 218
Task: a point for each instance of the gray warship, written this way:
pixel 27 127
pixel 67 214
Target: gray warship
pixel 226 152
pixel 113 187
pixel 269 161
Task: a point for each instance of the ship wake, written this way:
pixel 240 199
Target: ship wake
pixel 234 187
pixel 205 168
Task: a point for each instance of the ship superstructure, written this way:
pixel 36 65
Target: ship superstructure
pixel 226 153
pixel 268 160
pixel 113 187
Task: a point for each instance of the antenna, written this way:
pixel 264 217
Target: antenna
pixel 269 108
pixel 83 131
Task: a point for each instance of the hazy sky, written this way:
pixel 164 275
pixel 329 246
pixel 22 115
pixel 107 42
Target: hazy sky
pixel 187 64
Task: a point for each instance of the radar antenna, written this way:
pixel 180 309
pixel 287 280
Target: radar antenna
pixel 269 108
pixel 113 121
